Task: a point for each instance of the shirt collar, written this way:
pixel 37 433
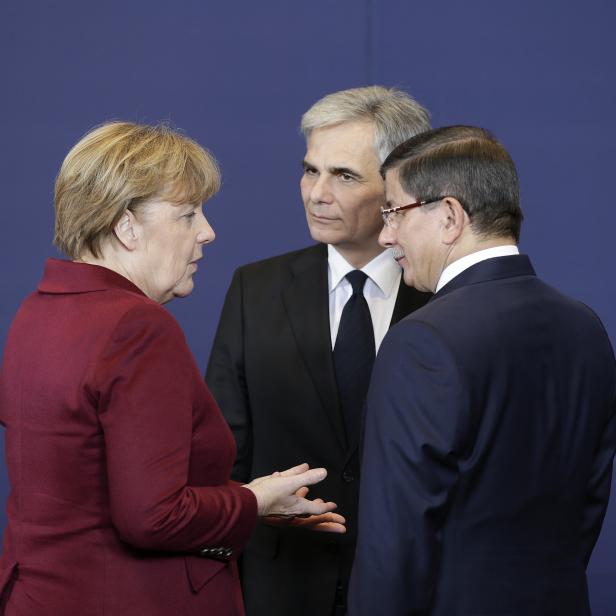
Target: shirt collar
pixel 457 267
pixel 382 270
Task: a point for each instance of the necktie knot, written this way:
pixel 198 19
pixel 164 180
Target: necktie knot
pixel 357 278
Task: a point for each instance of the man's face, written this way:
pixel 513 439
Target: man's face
pixel 415 237
pixel 342 188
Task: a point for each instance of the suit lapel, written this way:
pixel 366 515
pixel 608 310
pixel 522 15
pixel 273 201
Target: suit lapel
pixel 306 302
pixel 407 300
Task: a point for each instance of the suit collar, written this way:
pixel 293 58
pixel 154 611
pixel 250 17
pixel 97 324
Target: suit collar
pixel 305 299
pixel 459 265
pixel 491 269
pixel 306 260
pixel 62 276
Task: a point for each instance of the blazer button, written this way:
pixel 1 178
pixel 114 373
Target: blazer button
pixel 347 475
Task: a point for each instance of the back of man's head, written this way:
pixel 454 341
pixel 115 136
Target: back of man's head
pixel 396 116
pixel 467 163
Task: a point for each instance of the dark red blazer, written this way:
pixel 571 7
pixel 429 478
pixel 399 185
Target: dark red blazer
pixel 118 460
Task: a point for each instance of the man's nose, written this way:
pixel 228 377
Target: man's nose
pixel 320 191
pixel 387 237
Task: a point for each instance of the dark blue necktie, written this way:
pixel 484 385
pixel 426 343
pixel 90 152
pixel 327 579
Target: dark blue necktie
pixel 354 354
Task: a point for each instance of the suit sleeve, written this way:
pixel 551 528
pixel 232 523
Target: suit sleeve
pixel 147 384
pixel 414 431
pixel 599 485
pixel 225 376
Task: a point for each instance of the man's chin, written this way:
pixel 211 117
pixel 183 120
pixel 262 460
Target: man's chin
pixel 410 280
pixel 319 235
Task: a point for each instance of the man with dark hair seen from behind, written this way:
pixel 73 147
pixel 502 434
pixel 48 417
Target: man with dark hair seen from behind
pixel 490 424
pixel 297 337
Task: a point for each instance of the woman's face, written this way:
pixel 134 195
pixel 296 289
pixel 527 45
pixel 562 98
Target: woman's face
pixel 171 242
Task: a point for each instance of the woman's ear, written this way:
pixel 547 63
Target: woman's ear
pixel 455 219
pixel 126 230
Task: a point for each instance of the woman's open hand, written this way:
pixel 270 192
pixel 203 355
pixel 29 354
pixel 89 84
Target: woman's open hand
pixel 281 498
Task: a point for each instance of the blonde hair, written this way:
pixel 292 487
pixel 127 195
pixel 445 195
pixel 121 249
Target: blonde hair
pixel 396 116
pixel 118 166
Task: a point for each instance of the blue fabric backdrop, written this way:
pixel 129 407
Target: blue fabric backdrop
pixel 237 76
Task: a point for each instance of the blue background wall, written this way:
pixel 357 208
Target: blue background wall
pixel 237 76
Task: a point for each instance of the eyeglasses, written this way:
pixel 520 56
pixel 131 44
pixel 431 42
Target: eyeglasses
pixel 391 216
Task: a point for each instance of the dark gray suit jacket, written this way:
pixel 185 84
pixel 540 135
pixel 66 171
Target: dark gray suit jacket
pixel 271 372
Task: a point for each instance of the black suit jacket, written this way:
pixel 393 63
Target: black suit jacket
pixel 490 435
pixel 271 372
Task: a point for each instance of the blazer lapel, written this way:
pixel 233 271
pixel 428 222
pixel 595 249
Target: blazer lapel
pixel 407 300
pixel 306 302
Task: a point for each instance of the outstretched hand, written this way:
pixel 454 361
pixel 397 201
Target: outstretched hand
pixel 330 522
pixel 281 498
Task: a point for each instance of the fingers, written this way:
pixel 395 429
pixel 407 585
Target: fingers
pixel 307 507
pixel 326 522
pixel 329 527
pixel 302 492
pixel 306 478
pixel 295 470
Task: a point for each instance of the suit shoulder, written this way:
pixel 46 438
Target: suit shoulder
pixel 483 308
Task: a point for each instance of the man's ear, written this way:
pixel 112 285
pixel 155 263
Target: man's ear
pixel 126 230
pixel 455 219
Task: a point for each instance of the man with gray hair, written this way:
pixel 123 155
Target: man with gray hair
pixel 296 341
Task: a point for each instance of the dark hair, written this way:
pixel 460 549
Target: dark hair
pixel 467 163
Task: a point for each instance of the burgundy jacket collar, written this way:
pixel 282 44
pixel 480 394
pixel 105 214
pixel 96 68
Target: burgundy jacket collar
pixel 69 277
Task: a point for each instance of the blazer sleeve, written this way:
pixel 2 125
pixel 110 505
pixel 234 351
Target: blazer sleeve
pixel 225 376
pixel 416 423
pixel 599 485
pixel 147 384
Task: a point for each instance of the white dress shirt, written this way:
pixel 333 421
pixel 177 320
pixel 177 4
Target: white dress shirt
pixel 457 267
pixel 380 290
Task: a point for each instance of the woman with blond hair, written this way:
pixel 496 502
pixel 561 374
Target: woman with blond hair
pixel 118 456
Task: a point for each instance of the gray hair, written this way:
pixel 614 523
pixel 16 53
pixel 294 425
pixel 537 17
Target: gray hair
pixel 396 115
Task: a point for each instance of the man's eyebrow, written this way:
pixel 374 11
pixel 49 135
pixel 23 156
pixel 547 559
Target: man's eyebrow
pixel 345 171
pixel 335 170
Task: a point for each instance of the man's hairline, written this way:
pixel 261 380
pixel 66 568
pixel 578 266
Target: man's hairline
pixel 352 121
